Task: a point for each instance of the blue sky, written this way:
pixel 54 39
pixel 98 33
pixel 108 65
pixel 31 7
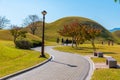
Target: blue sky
pixel 105 12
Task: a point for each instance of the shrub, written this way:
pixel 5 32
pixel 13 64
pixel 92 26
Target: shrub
pixel 36 43
pixel 23 43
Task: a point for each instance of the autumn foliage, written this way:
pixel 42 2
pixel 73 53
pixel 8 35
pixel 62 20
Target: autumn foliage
pixel 80 32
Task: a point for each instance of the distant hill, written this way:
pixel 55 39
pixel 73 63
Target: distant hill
pixel 114 29
pixel 117 35
pixel 52 28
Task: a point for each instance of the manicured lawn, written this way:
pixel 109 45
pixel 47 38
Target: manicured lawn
pixel 106 74
pixel 13 60
pixel 98 60
pixel 48 43
pixel 83 50
pixel 99 74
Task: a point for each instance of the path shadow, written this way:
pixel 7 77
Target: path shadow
pixel 64 63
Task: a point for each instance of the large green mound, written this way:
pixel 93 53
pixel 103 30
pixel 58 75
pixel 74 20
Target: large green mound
pixel 52 28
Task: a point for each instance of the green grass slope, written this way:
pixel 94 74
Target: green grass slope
pixel 13 60
pixel 116 35
pixel 52 28
pixel 6 35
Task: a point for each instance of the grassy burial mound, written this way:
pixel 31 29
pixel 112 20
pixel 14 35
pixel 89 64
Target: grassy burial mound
pixel 52 28
pixel 6 35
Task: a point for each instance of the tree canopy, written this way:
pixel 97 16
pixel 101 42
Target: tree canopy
pixel 80 32
pixel 3 22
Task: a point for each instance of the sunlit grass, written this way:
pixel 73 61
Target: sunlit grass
pixel 98 60
pixel 49 43
pixel 83 50
pixel 106 74
pixel 13 59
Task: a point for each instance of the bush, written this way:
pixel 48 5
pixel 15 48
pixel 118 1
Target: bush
pixel 23 43
pixel 36 43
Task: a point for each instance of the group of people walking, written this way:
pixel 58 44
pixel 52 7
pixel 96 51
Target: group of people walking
pixel 110 43
pixel 66 41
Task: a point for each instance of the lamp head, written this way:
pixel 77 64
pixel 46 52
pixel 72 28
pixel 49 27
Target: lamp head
pixel 44 12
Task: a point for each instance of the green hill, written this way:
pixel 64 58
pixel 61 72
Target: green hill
pixel 117 35
pixel 52 28
pixel 6 35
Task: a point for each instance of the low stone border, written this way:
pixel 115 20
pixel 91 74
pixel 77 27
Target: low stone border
pixel 92 68
pixel 25 70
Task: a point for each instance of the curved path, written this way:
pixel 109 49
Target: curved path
pixel 63 66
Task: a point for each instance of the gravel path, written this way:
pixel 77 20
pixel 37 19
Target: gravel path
pixel 63 66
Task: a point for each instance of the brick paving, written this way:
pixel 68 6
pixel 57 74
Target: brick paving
pixel 63 66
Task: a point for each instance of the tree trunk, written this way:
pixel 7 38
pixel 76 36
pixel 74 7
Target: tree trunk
pixel 72 41
pixel 15 41
pixel 93 44
pixel 76 44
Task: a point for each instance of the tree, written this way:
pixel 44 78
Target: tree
pixel 31 22
pixel 91 32
pixel 117 0
pixel 17 32
pixel 3 22
pixel 75 31
pixel 81 32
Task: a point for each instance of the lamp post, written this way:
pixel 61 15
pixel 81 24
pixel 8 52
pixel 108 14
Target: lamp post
pixel 43 29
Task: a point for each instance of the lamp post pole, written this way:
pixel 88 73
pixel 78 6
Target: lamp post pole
pixel 43 29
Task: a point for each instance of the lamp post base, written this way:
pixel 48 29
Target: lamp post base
pixel 42 56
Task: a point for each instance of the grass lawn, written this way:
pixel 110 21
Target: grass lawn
pixel 99 74
pixel 13 60
pixel 106 74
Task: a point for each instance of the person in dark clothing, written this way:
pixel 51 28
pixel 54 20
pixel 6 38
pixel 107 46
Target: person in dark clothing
pixel 58 40
pixel 62 41
pixel 112 43
pixel 67 41
pixel 102 43
pixel 108 43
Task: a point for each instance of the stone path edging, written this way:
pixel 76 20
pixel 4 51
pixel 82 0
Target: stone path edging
pixel 92 68
pixel 25 70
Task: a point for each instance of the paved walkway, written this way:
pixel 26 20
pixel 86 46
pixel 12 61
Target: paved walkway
pixel 64 66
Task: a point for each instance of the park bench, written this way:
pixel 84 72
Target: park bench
pixel 111 62
pixel 99 54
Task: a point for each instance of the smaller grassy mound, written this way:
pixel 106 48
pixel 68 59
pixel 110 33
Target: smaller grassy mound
pixel 13 60
pixel 6 35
